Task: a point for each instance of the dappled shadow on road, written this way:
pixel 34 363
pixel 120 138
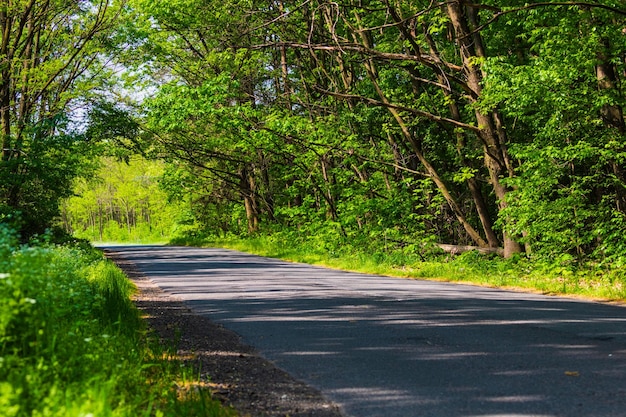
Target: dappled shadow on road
pixel 393 347
pixel 467 358
pixel 233 371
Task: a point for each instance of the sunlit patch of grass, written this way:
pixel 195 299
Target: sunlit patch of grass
pixel 470 268
pixel 73 344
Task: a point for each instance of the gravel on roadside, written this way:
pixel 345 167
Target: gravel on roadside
pixel 236 374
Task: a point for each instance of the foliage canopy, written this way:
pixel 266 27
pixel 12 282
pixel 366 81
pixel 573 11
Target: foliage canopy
pixel 492 124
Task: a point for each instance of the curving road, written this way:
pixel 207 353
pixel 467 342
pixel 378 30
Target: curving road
pixel 389 347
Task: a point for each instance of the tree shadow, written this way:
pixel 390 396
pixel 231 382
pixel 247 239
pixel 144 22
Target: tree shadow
pixel 384 346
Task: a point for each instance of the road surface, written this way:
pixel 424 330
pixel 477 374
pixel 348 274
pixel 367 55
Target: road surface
pixel 380 346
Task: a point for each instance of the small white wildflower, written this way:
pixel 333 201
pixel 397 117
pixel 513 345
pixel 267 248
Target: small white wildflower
pixel 4 276
pixel 30 300
pixel 88 339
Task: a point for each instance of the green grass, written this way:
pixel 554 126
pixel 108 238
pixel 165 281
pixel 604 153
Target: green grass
pixel 559 277
pixel 73 344
pixel 113 232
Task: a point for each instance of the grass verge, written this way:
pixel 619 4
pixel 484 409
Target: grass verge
pixel 73 344
pixel 560 277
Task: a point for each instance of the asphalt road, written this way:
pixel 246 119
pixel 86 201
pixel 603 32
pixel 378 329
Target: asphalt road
pixel 390 347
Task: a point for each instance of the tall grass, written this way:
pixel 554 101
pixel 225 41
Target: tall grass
pixel 73 344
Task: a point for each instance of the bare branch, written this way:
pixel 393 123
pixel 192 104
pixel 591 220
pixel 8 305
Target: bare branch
pixel 276 19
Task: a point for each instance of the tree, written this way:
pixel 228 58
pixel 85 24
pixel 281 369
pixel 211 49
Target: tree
pixel 563 92
pixel 477 122
pixel 123 200
pixel 50 54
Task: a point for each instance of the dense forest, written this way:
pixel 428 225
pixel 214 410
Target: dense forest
pixel 492 124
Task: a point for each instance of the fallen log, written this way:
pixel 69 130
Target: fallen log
pixel 459 249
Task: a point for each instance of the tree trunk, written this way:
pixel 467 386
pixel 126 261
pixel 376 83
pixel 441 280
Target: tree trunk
pixel 329 194
pixel 6 56
pixel 492 134
pixel 430 169
pixel 100 221
pixel 267 196
pixel 612 114
pixel 416 148
pixel 247 190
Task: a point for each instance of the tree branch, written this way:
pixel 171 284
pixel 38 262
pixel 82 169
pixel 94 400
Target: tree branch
pixel 427 115
pixel 389 56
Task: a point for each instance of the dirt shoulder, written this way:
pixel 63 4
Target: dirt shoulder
pixel 237 374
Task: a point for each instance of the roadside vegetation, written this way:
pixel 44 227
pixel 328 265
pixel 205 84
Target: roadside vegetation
pixel 73 344
pixel 361 135
pixel 557 277
pixel 122 190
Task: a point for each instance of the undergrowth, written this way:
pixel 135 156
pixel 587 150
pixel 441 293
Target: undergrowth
pixel 73 344
pixel 423 260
